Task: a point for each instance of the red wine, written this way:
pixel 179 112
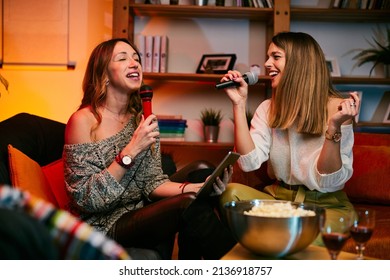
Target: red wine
pixel 361 234
pixel 334 241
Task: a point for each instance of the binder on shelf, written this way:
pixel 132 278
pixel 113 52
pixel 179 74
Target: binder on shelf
pixel 156 54
pixel 140 44
pixel 148 53
pixel 164 55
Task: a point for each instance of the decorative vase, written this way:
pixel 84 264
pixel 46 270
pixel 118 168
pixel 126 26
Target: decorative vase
pixel 211 133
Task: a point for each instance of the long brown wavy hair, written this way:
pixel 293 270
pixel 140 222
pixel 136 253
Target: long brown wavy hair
pixel 305 86
pixel 96 80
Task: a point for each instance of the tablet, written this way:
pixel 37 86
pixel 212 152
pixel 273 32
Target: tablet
pixel 207 188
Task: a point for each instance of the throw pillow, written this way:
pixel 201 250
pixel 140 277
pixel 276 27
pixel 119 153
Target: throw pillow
pixel 54 173
pixel 26 174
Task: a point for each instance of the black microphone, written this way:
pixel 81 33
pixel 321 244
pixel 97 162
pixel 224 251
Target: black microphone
pixel 249 77
pixel 146 93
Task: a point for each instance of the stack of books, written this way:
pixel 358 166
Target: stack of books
pixel 172 128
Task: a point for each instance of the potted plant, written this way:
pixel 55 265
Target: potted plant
pixel 211 120
pixel 379 53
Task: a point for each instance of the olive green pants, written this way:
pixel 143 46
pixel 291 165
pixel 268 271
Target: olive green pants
pixel 336 204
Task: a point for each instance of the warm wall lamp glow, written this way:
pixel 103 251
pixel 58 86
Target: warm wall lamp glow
pixel 38 67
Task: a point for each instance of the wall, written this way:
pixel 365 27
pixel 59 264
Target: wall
pixel 56 94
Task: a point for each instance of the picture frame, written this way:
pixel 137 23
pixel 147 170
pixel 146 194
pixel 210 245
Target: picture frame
pixel 345 94
pixel 387 115
pixel 216 63
pixel 333 66
pixel 381 113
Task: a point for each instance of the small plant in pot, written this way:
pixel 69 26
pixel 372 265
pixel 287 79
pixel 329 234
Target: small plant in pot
pixel 211 120
pixel 379 53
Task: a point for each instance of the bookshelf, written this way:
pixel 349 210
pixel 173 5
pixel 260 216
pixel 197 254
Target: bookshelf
pixel 275 19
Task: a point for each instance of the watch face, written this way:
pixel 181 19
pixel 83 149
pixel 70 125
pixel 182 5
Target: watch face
pixel 337 137
pixel 126 160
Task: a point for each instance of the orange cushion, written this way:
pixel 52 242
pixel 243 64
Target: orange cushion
pixel 54 173
pixel 26 174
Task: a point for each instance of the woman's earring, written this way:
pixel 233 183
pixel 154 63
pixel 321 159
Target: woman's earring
pixel 107 82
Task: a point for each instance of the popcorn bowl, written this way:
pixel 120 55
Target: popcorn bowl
pixel 273 236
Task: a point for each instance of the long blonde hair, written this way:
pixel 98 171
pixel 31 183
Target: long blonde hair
pixel 303 92
pixel 96 78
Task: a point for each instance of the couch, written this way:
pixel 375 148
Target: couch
pixel 369 187
pixel 30 160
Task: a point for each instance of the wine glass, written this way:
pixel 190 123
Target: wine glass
pixel 362 229
pixel 335 234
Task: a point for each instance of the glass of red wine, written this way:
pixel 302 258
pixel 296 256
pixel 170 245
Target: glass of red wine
pixel 362 229
pixel 334 235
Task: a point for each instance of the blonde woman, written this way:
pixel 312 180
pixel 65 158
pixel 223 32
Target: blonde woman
pixel 304 131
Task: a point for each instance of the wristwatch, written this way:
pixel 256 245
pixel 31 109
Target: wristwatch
pixel 126 161
pixel 336 137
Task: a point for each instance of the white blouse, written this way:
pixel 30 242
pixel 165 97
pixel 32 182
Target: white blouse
pixel 293 156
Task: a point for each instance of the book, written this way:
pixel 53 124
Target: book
pixel 164 54
pixel 156 54
pixel 172 129
pixel 172 122
pixel 172 139
pixel 169 117
pixel 148 53
pixel 140 44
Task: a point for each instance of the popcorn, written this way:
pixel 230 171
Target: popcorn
pixel 278 210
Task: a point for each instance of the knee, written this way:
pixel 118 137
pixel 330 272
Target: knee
pixel 232 193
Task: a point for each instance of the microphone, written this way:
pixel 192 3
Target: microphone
pixel 146 93
pixel 250 78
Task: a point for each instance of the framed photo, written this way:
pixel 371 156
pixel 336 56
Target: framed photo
pixel 216 63
pixel 345 94
pixel 381 113
pixel 333 66
pixel 387 115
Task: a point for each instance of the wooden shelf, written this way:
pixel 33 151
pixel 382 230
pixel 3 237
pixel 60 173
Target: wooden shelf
pixel 340 15
pixel 148 10
pixel 361 80
pixel 372 124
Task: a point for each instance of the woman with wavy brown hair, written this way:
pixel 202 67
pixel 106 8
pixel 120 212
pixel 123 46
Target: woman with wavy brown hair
pixel 304 131
pixel 113 169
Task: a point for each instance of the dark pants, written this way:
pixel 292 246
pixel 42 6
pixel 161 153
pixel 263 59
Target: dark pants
pixel 201 234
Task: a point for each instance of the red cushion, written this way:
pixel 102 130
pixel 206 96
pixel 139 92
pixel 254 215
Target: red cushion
pixel 54 173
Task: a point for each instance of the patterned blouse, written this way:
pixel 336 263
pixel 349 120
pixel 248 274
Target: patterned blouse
pixel 95 194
